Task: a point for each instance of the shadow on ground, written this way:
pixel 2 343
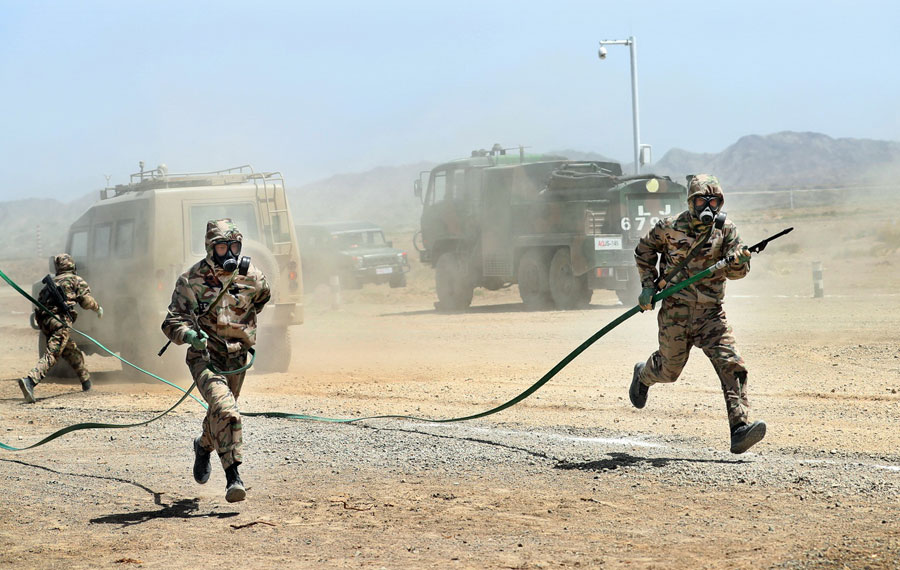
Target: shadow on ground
pixel 180 509
pixel 619 459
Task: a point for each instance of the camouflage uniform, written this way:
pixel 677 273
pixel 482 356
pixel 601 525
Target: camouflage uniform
pixel 59 341
pixel 694 315
pixel 231 327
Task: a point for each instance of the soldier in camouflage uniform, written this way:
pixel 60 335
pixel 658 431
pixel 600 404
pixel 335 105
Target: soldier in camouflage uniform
pixel 56 329
pixel 222 324
pixel 694 316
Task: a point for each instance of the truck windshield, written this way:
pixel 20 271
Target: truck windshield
pixel 243 216
pixel 367 238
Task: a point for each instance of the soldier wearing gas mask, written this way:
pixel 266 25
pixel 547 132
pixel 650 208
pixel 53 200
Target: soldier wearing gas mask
pixel 694 315
pixel 213 310
pixel 70 289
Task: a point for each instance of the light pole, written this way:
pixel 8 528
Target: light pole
pixel 631 43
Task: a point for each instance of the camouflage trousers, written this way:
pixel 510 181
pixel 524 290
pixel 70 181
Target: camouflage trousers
pixel 59 345
pixel 683 325
pixel 222 429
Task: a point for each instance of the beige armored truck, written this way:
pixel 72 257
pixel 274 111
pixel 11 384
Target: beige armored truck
pixel 132 245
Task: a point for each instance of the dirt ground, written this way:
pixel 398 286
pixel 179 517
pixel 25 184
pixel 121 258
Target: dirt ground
pixel 571 477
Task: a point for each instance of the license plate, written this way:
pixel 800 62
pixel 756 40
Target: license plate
pixel 383 270
pixel 607 242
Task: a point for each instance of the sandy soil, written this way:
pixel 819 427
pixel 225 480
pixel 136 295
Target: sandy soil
pixel 571 477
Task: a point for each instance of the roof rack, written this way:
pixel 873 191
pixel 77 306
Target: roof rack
pixel 160 177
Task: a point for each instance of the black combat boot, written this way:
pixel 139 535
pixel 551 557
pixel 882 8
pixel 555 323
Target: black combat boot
pixel 201 463
pixel 744 436
pixel 234 487
pixel 27 385
pixel 85 385
pixel 638 391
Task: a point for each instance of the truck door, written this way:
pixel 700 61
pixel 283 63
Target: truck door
pixel 448 210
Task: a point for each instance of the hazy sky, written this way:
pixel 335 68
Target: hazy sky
pixel 315 89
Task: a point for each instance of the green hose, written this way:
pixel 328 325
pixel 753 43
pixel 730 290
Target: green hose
pixel 287 415
pixel 531 389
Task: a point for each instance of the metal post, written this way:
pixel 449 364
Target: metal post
pixel 634 105
pixel 818 280
pixel 635 113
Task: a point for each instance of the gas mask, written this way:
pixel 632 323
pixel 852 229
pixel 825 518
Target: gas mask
pixel 226 254
pixel 706 207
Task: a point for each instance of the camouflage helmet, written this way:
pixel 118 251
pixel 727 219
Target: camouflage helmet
pixel 705 185
pixel 64 263
pixel 221 231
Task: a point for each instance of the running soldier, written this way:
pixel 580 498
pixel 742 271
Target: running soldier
pixel 213 309
pixel 694 315
pixel 55 325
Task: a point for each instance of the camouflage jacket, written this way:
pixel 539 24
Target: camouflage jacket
pixel 671 239
pixel 74 288
pixel 231 323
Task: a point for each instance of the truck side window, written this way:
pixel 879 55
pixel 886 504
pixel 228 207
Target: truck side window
pixel 78 245
pixel 438 187
pixel 102 233
pixel 124 238
pixel 458 185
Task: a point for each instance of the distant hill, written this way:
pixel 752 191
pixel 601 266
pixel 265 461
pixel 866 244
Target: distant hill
pixel 384 195
pixel 37 227
pixel 790 160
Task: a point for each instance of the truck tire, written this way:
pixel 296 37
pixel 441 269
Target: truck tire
pixel 139 343
pixel 397 280
pixel 453 282
pixel 628 296
pixel 534 280
pixel 262 259
pixel 569 291
pixel 273 350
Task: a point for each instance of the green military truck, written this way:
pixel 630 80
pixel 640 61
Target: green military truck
pixel 557 228
pixel 133 243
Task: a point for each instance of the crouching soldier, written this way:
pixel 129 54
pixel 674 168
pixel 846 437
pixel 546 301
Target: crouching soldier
pixel 59 295
pixel 213 310
pixel 694 315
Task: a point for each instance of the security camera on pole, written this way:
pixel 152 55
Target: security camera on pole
pixel 641 152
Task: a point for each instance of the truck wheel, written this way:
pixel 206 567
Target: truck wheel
pixel 629 295
pixel 273 350
pixel 398 280
pixel 534 280
pixel 453 283
pixel 349 281
pixel 139 344
pixel 569 291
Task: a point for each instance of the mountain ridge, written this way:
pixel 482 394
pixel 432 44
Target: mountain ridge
pixel 384 195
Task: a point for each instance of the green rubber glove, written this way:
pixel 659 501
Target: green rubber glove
pixel 741 256
pixel 99 312
pixel 197 341
pixel 645 299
